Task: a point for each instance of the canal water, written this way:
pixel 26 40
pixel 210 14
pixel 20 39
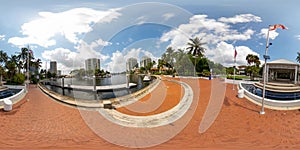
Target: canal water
pixel 99 95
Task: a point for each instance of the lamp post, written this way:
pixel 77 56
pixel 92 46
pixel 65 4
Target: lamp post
pixel 266 57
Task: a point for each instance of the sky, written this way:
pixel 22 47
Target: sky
pixel 70 31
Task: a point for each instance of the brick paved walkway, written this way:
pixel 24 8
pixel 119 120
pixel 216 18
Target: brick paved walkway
pixel 37 122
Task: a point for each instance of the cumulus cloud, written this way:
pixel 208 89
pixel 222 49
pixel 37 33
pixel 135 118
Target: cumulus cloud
pixel 272 34
pixel 118 59
pixel 210 30
pixel 68 59
pixel 215 32
pixel 2 37
pixel 65 58
pixel 224 53
pixel 69 24
pixel 242 18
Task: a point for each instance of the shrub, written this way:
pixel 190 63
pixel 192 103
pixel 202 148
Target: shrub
pixel 17 79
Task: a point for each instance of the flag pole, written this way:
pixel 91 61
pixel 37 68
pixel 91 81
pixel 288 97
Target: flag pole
pixel 28 64
pixel 235 53
pixel 265 73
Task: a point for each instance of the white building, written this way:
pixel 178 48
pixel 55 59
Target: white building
pixel 92 64
pixel 53 67
pixel 145 60
pixel 131 64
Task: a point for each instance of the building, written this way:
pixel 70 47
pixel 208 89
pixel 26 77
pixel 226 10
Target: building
pixel 53 67
pixel 145 60
pixel 241 70
pixel 282 70
pixel 92 64
pixel 131 64
pixel 59 73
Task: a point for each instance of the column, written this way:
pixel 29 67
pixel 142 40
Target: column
pixel 267 75
pixel 296 74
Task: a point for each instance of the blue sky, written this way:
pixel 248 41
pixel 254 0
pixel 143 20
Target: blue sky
pixel 70 31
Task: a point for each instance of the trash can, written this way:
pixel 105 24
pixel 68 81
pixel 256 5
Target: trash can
pixel 7 105
pixel 241 93
pixel 209 77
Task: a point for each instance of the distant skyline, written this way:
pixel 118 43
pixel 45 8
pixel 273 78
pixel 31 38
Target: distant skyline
pixel 70 31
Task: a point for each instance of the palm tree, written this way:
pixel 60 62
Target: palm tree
pixel 298 57
pixel 3 60
pixel 253 59
pixel 11 67
pixel 22 57
pixel 253 62
pixel 195 47
pixel 37 64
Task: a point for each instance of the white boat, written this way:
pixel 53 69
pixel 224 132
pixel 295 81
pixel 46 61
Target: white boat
pixel 147 78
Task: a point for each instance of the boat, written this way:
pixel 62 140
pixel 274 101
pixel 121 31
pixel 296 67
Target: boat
pixel 147 78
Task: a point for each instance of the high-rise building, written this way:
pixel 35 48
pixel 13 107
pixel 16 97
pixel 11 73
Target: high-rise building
pixel 145 60
pixel 131 64
pixel 53 67
pixel 92 64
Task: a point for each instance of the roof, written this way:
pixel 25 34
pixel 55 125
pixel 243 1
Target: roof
pixel 283 61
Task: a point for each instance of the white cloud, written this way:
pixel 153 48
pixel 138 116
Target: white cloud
pixel 69 24
pixel 214 32
pixel 168 16
pixel 2 37
pixel 210 30
pixel 141 20
pixel 272 34
pixel 118 59
pixel 69 60
pixel 92 50
pixel 242 18
pixel 298 37
pixel 61 55
pixel 224 54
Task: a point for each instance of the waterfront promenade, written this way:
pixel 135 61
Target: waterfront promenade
pixel 39 122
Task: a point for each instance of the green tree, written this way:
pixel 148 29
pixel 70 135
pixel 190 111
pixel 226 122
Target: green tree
pixel 253 60
pixel 3 60
pixel 196 49
pixel 253 65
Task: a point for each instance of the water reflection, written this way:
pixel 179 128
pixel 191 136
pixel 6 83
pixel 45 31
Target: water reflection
pixel 282 96
pixel 99 95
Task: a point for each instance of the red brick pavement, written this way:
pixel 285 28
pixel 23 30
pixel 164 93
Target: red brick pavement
pixel 37 122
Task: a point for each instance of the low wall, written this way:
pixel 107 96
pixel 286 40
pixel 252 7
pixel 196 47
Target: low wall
pixel 117 102
pixel 271 104
pixel 17 97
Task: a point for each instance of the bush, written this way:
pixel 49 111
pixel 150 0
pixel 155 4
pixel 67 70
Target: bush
pixel 17 79
pixel 236 77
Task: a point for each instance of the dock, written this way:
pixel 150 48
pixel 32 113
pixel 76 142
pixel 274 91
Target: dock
pixel 98 88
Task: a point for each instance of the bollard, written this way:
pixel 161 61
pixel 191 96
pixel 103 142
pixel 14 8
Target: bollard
pixel 7 104
pixel 241 93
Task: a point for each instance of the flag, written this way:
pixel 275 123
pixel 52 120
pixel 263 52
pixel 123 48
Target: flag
pixel 274 27
pixel 235 53
pixel 31 52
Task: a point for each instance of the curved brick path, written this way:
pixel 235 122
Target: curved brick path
pixel 42 123
pixel 38 122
